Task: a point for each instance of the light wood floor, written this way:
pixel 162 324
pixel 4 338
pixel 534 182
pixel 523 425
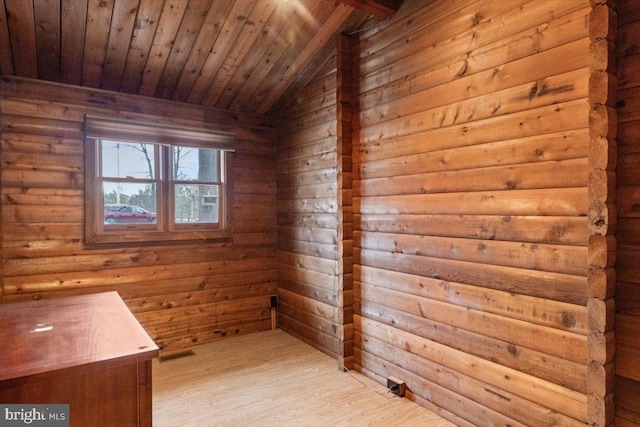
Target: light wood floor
pixel 273 379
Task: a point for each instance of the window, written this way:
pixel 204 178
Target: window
pixel 155 183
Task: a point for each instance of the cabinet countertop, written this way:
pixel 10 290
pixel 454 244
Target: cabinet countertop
pixel 51 335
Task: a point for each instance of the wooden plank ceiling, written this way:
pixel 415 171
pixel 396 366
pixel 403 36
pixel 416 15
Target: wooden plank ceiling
pixel 241 55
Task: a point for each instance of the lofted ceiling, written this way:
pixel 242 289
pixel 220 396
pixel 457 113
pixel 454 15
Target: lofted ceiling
pixel 240 55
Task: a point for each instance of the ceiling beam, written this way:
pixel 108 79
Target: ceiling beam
pixel 383 9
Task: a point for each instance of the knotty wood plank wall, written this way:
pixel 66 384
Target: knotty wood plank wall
pixel 628 201
pixel 308 269
pixel 471 209
pixel 182 294
pixel 479 250
pixel 345 101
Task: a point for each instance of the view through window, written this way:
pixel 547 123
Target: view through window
pixel 163 190
pixel 130 183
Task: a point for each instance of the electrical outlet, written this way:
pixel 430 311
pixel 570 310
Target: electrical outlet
pixel 396 386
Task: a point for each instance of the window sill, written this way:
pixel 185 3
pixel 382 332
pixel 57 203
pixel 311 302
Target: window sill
pixel 136 238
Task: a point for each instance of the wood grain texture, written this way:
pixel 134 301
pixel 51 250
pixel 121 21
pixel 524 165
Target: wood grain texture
pixel 273 379
pixel 345 74
pixel 95 328
pixel 181 293
pixel 457 102
pixel 91 354
pixel 6 60
pixel 312 216
pixel 469 136
pixel 627 297
pixel 73 26
pixel 494 158
pixel 244 54
pixel 20 19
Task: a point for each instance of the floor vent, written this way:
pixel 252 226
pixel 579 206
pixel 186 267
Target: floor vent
pixel 173 356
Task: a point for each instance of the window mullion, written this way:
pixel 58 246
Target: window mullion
pixel 186 198
pixel 164 181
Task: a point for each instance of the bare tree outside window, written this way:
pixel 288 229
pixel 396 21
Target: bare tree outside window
pixel 207 161
pixel 166 183
pixel 196 185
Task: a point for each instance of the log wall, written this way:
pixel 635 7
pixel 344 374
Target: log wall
pixel 315 214
pixel 461 237
pixel 471 211
pixel 309 272
pixel 628 202
pixel 182 294
pixel 602 246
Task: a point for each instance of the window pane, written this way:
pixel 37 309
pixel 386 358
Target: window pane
pixel 195 164
pixel 129 203
pixel 196 203
pixel 126 160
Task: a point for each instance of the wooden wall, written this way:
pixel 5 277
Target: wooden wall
pixel 628 234
pixel 315 215
pixel 481 251
pixel 485 208
pixel 470 232
pixel 308 286
pixel 182 294
pixel 471 209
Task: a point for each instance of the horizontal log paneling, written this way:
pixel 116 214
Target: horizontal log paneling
pixel 156 258
pixel 628 297
pixel 77 278
pixel 290 182
pixel 307 248
pixel 569 173
pixel 530 309
pixel 445 400
pixel 545 91
pixel 471 208
pixel 308 234
pixel 314 161
pixel 534 229
pixel 480 275
pixel 628 407
pixel 552 258
pixel 483 79
pixel 197 298
pixel 509 405
pixel 557 202
pixel 307 194
pixel 492 67
pixel 25 143
pixel 463 28
pixel 547 340
pixel 325 342
pixel 309 306
pixel 163 292
pixel 567 116
pixel 628 347
pixel 213 314
pixel 186 338
pixel 627 362
pixel 549 395
pixel 182 294
pixel 304 276
pixel 548 147
pixel 556 369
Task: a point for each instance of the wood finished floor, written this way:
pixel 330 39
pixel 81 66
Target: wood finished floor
pixel 273 379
